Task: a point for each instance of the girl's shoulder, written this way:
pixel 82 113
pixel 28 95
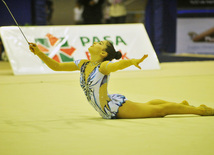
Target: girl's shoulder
pixel 80 62
pixel 103 67
pixel 104 63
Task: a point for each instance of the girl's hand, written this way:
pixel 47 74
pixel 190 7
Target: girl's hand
pixel 34 48
pixel 136 62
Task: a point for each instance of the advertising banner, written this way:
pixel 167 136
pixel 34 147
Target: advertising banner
pixel 69 43
pixel 195 27
pixel 195 36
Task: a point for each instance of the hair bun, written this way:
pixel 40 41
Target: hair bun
pixel 118 55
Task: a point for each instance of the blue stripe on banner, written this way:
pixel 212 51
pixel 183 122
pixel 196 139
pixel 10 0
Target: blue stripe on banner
pixel 194 11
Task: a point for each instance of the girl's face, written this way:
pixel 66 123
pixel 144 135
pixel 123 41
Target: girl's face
pixel 98 47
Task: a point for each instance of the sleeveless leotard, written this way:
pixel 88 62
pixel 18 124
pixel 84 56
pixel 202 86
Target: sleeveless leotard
pixel 91 87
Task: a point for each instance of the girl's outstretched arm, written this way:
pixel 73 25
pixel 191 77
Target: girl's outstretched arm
pixel 107 67
pixel 54 65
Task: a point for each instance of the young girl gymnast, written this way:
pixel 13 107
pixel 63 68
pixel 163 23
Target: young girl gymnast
pixel 94 75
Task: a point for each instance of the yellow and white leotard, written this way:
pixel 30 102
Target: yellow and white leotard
pixel 95 89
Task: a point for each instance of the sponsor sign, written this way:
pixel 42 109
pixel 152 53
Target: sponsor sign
pixel 195 27
pixel 69 43
pixel 195 36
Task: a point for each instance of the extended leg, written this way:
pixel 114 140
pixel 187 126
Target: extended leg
pixel 159 109
pixel 139 110
pixel 182 108
pixel 158 102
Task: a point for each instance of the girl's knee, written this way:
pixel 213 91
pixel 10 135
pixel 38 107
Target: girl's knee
pixel 159 111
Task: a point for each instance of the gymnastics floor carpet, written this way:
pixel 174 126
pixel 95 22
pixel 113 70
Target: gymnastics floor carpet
pixel 49 114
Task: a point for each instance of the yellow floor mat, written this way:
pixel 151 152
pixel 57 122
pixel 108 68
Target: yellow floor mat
pixel 49 114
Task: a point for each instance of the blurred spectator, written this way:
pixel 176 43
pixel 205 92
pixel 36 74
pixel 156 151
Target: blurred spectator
pixel 92 13
pixel 1 49
pixel 107 18
pixel 78 11
pixel 118 10
pixel 3 55
pixel 49 11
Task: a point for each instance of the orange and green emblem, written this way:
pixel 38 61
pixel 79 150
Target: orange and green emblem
pixel 56 48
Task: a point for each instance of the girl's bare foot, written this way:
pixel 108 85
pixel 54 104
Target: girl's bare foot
pixel 207 111
pixel 184 102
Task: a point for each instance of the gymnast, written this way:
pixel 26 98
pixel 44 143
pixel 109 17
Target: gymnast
pixel 94 76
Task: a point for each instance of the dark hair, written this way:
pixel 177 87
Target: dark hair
pixel 112 54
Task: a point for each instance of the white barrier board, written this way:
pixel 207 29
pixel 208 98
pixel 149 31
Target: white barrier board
pixel 69 43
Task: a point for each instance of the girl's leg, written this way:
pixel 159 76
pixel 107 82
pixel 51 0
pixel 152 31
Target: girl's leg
pixel 139 110
pixel 159 108
pixel 169 107
pixel 158 101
